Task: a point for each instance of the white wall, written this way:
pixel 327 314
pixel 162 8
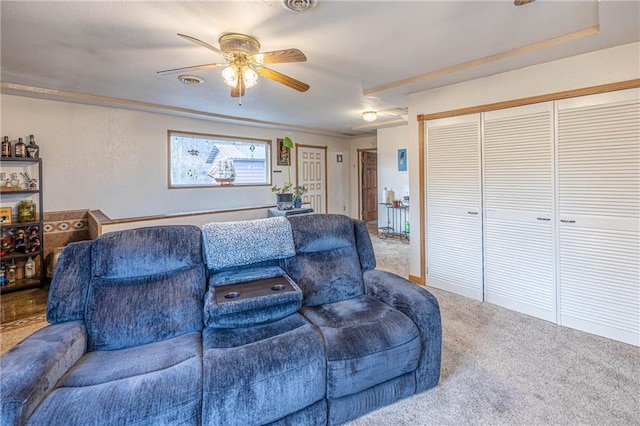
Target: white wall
pixel 389 141
pixel 115 159
pixel 592 69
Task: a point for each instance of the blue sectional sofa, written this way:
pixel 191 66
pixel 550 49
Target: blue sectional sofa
pixel 280 321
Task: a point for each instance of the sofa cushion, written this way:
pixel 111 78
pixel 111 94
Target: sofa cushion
pixel 229 244
pixel 146 251
pixel 367 343
pixel 327 265
pixel 148 285
pixel 257 375
pixel 68 290
pixel 122 313
pixel 159 383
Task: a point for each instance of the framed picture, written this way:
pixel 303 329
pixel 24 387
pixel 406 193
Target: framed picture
pixel 5 215
pixel 284 153
pixel 402 160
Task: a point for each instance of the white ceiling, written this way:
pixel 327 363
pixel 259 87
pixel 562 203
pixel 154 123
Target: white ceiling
pixel 114 49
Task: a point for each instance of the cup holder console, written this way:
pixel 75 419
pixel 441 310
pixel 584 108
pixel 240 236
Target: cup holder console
pixel 251 289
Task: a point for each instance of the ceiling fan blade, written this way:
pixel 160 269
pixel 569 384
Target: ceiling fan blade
pixel 283 79
pixel 238 91
pixel 280 56
pixel 193 68
pixel 522 2
pixel 201 43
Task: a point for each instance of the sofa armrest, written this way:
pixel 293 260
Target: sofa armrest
pixel 423 309
pixel 31 369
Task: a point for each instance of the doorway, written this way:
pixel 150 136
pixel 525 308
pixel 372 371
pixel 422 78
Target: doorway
pixel 369 185
pixel 311 171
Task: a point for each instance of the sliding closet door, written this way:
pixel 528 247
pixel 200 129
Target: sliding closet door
pixel 599 214
pixel 518 202
pixel 454 214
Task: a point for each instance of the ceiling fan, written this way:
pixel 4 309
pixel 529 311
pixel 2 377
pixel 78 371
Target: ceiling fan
pixel 244 63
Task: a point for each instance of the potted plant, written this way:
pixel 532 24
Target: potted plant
pixel 298 192
pixel 284 196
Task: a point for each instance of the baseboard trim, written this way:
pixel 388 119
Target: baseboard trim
pixel 417 280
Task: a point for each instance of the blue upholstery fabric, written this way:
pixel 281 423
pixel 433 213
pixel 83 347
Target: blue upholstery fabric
pixel 364 246
pixel 228 244
pixel 327 265
pixel 315 414
pixel 33 367
pixel 68 289
pixel 261 374
pixel 351 406
pixel 155 384
pixel 146 251
pixel 367 343
pixel 158 307
pixel 134 299
pixel 423 309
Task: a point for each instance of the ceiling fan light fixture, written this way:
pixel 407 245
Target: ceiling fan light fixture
pixel 250 77
pixel 369 116
pixel 230 76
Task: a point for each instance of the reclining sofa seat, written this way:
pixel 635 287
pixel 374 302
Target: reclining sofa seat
pixel 124 344
pixel 263 362
pixel 376 354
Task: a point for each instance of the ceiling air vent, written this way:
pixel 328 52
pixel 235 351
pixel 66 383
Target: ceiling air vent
pixel 299 5
pixel 190 79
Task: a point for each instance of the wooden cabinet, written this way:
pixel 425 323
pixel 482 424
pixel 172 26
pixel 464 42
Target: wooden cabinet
pixel 22 237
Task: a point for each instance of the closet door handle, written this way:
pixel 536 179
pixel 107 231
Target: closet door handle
pixel 472 212
pixel 567 221
pixel 544 218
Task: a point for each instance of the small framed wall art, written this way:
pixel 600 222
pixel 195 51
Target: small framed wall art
pixel 284 153
pixel 402 160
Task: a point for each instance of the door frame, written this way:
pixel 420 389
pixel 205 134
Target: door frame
pixel 359 152
pixel 326 172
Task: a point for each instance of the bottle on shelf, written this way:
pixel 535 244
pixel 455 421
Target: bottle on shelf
pixel 6 147
pixel 20 149
pixel 33 150
pixel 27 211
pixel 11 273
pixel 3 277
pixel 29 268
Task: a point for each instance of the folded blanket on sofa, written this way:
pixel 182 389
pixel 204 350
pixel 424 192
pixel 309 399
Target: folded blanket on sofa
pixel 228 244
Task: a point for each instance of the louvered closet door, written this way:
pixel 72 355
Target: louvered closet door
pixel 454 217
pixel 599 214
pixel 518 201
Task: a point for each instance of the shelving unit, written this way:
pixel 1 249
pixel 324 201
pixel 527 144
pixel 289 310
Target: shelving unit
pixel 10 198
pixel 396 220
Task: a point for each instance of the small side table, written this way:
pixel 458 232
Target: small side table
pixel 396 220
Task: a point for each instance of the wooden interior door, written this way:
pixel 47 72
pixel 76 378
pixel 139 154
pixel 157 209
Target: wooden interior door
pixel 369 186
pixel 311 171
